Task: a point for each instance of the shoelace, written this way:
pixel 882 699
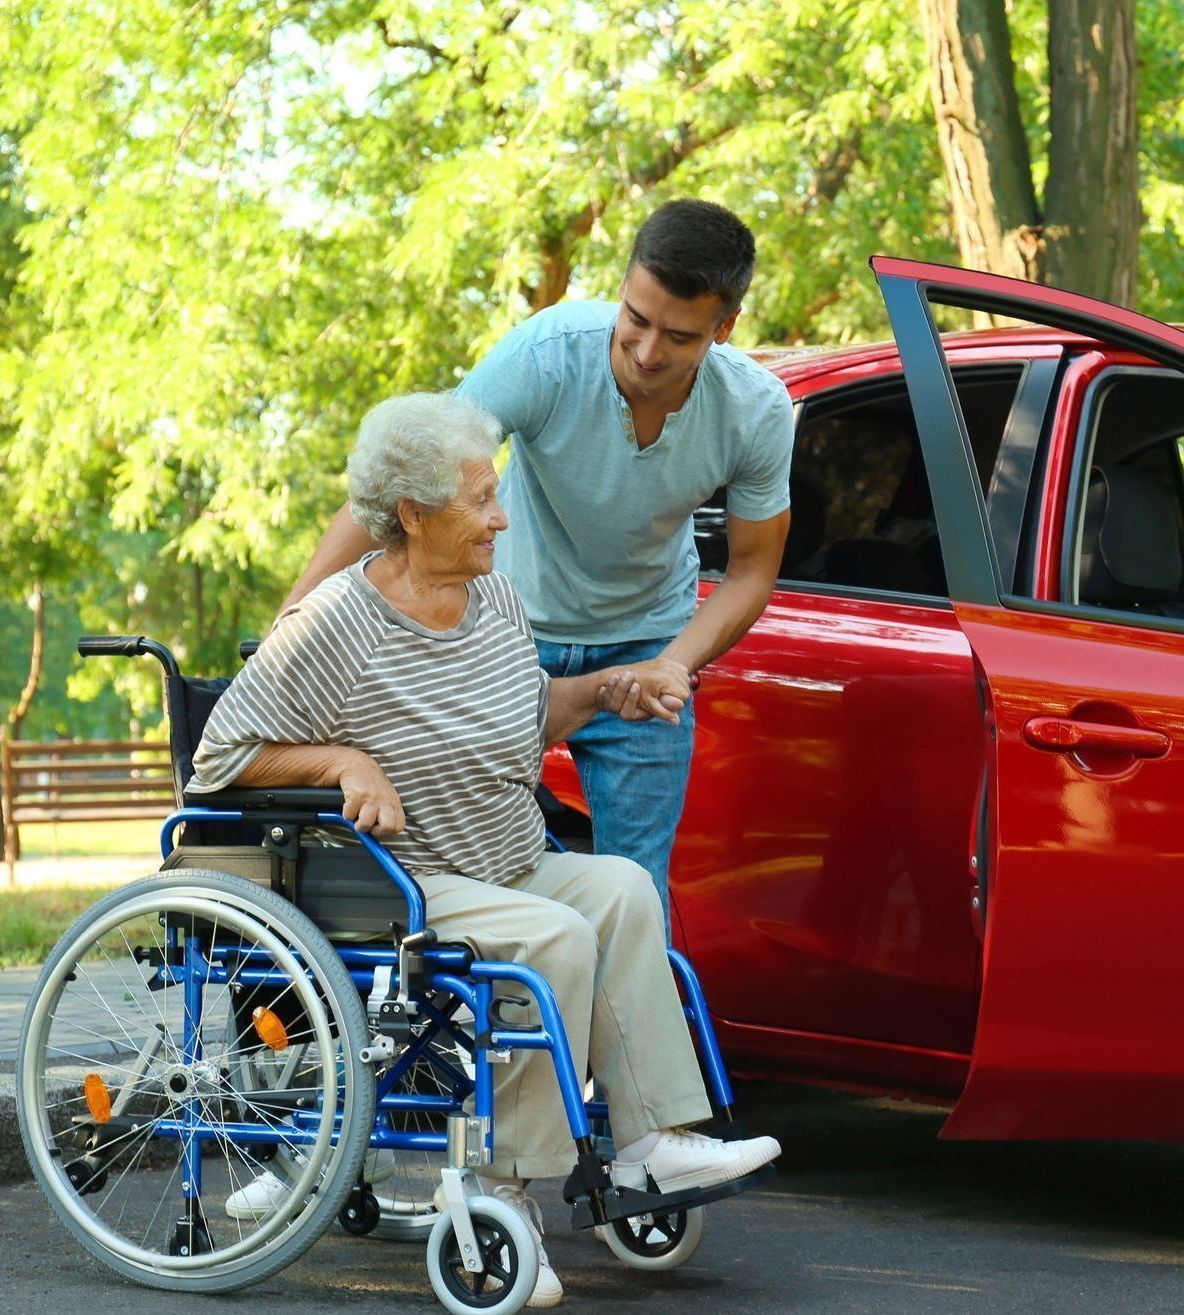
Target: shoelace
pixel 530 1210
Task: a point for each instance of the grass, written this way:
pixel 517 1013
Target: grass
pixel 31 921
pixel 90 839
pixel 33 917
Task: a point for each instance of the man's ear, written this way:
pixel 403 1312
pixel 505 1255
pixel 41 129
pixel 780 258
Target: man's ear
pixel 724 332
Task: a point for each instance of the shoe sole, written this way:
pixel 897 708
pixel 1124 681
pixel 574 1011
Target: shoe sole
pixel 250 1212
pixel 722 1173
pixel 254 1211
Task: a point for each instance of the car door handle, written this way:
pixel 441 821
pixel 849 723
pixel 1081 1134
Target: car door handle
pixel 1064 735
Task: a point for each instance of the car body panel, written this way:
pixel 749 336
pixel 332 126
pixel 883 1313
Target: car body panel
pixel 1080 1030
pixel 832 707
pixel 885 884
pixel 1077 1033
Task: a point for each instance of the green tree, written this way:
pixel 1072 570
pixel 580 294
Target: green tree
pixel 243 223
pixel 1046 185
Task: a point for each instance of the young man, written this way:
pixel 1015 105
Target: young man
pixel 623 419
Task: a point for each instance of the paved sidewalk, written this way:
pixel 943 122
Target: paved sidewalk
pixel 82 1035
pixel 109 870
pixel 88 1016
pixel 16 984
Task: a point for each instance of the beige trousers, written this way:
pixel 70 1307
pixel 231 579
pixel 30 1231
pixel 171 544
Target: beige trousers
pixel 592 925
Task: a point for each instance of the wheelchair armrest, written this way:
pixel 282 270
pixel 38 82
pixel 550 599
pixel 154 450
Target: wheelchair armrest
pixel 296 798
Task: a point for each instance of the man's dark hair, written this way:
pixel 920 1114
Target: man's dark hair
pixel 696 247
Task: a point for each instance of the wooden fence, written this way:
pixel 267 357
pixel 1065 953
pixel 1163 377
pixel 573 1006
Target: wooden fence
pixel 80 781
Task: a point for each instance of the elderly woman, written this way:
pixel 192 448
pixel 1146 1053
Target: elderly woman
pixel 410 681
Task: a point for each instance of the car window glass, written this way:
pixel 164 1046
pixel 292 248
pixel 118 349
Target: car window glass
pixel 1117 504
pixel 1124 548
pixel 862 509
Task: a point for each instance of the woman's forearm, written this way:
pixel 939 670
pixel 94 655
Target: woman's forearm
pixel 319 765
pixel 572 703
pixel 371 801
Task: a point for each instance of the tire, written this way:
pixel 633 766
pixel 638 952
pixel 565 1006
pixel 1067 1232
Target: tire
pixel 508 1249
pixel 655 1242
pixel 97 1035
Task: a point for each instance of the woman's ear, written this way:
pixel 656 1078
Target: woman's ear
pixel 410 515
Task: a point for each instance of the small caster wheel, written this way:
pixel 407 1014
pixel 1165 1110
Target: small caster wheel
pixel 359 1215
pixel 191 1238
pixel 85 1180
pixel 508 1256
pixel 657 1241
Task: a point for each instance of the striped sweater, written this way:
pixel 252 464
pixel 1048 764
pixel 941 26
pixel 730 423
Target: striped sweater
pixel 454 718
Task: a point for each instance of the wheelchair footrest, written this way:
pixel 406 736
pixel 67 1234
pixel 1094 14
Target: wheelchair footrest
pixel 625 1202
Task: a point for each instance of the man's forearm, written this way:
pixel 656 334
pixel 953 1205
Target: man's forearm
pixel 341 544
pixel 722 620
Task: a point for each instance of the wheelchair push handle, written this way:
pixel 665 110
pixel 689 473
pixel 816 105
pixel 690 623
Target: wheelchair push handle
pixel 127 646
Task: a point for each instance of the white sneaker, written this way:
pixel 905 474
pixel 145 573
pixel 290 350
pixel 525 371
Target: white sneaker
pixel 548 1291
pixel 684 1160
pixel 258 1199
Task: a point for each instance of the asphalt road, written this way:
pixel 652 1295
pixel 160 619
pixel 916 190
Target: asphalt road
pixel 869 1214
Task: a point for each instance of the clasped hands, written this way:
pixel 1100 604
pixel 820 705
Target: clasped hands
pixel 657 688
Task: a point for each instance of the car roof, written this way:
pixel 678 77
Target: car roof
pixel 794 364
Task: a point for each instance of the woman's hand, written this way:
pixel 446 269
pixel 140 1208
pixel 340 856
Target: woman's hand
pixel 371 802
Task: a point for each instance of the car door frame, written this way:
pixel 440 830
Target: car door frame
pixel 992 1104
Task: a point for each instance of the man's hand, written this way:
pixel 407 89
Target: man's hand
pixel 657 688
pixel 371 802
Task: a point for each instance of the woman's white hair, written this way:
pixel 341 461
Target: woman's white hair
pixel 414 447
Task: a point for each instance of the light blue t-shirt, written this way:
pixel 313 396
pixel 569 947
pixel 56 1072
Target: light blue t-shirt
pixel 601 543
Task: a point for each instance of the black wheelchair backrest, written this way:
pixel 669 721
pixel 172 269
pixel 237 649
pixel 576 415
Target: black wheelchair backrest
pixel 189 701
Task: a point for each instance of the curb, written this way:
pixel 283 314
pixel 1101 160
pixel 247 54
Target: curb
pixel 14 1167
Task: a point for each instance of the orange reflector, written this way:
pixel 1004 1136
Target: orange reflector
pixel 272 1032
pixel 98 1098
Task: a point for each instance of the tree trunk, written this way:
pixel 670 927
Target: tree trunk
pixel 1092 212
pixel 1086 235
pixel 20 710
pixel 556 263
pixel 981 133
pixel 557 251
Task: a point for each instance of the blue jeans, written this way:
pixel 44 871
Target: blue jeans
pixel 634 773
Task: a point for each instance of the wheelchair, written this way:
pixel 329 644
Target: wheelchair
pixel 222 1018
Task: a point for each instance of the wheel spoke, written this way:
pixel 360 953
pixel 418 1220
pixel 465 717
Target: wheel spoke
pixel 133 1180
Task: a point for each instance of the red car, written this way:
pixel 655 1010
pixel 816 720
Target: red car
pixel 934 838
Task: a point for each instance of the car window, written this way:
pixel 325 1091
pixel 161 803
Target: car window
pixel 1124 547
pixel 862 509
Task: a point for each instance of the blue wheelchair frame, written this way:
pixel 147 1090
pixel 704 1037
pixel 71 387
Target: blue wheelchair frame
pixel 468 980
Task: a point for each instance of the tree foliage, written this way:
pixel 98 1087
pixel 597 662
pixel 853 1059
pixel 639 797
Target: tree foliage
pixel 227 229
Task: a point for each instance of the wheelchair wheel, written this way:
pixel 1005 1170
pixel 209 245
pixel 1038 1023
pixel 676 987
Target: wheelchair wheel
pixel 510 1261
pixel 655 1241
pixel 144 1112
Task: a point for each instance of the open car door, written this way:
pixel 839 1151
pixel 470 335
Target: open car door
pixel 1075 861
